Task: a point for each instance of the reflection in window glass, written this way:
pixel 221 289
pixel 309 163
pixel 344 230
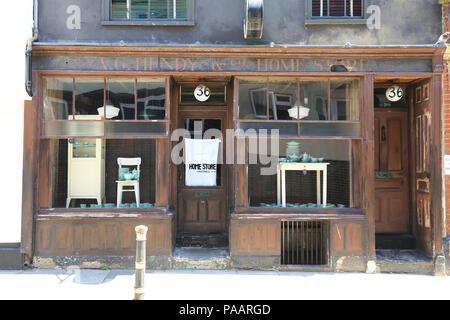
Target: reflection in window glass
pixel 120 99
pixel 344 100
pixel 151 99
pixel 148 9
pixel 58 98
pixel 139 9
pixel 253 98
pixel 314 98
pixel 301 188
pixel 89 96
pixel 119 9
pixel 114 148
pixel 283 99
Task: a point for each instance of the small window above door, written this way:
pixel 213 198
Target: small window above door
pixel 217 94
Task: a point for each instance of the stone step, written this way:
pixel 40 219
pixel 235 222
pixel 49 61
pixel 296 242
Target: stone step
pixel 202 240
pixel 201 258
pixel 395 241
pixel 404 261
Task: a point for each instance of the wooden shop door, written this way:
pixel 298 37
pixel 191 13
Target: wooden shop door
pixel 391 166
pixel 202 210
pixel 422 183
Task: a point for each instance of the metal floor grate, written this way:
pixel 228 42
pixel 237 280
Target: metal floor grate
pixel 304 242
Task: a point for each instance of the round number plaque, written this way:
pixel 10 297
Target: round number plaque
pixel 395 93
pixel 202 93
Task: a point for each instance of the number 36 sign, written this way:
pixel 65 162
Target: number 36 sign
pixel 395 93
pixel 202 93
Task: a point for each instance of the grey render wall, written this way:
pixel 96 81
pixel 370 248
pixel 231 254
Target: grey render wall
pixel 403 22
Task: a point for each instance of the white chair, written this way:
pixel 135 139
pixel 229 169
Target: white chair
pixel 130 183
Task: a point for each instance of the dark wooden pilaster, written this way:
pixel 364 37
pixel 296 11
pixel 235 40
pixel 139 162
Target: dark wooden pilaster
pixel 436 164
pixel 30 160
pixel 162 173
pixel 368 155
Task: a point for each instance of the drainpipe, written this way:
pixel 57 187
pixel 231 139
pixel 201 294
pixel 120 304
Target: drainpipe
pixel 29 52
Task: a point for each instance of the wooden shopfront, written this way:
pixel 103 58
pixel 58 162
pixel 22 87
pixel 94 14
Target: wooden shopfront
pixel 382 159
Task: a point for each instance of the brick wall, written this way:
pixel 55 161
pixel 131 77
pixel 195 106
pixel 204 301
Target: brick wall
pixel 446 89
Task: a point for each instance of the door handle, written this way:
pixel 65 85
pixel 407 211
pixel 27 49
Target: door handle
pixel 383 133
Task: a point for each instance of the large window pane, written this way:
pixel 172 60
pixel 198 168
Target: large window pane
pixel 314 98
pixel 253 98
pixel 344 100
pixel 151 99
pixel 120 99
pixel 89 96
pixel 83 172
pixel 58 98
pixel 283 99
pixel 301 185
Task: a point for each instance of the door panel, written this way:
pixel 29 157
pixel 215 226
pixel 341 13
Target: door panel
pixel 422 124
pixel 391 165
pixel 202 209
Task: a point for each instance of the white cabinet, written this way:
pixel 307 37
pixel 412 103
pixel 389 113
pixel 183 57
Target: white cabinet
pixel 86 167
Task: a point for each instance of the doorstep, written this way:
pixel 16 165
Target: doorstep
pixel 404 261
pixel 201 258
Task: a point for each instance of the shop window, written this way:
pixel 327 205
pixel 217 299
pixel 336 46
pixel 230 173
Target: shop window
pixel 137 106
pixel 89 96
pixel 83 173
pixel 304 189
pixel 120 99
pixel 337 8
pixel 58 100
pixel 158 12
pixel 300 107
pixel 344 100
pixel 151 99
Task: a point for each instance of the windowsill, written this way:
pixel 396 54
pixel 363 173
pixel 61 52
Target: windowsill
pixel 149 23
pixel 331 21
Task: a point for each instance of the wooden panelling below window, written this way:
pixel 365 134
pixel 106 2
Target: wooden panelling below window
pixel 98 236
pixel 255 238
pixel 348 238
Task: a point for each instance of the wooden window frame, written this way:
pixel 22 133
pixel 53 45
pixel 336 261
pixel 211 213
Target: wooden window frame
pixel 356 145
pixel 108 21
pixel 166 120
pixel 161 149
pixel 299 122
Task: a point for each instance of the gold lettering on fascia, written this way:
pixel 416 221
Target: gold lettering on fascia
pixel 228 64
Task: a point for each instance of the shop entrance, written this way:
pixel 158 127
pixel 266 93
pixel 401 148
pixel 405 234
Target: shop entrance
pixel 202 183
pixel 402 169
pixel 393 224
pixel 202 180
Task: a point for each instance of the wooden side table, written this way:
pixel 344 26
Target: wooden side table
pixel 299 166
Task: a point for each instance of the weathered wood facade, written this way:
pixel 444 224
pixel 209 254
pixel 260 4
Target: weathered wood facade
pixel 255 233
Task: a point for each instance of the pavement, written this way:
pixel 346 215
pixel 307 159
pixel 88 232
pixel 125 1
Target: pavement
pixel 88 284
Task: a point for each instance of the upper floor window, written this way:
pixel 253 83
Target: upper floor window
pixel 337 8
pixel 148 12
pixel 148 9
